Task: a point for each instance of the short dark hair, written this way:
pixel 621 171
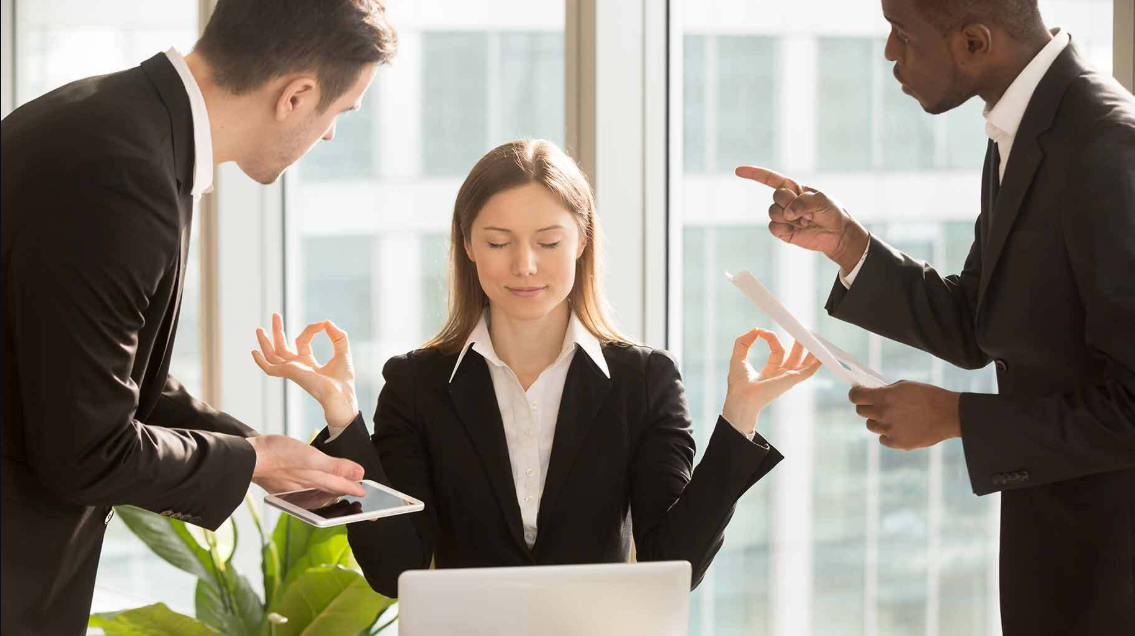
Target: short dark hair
pixel 249 42
pixel 1017 17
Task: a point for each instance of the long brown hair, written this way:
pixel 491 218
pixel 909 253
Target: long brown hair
pixel 513 164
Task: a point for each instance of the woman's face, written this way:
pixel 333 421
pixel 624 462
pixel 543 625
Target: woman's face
pixel 525 244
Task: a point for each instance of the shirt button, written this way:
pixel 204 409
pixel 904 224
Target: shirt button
pixel 527 432
pixel 535 406
pixel 530 472
pixel 528 499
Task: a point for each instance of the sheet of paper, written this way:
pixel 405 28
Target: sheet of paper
pixel 835 359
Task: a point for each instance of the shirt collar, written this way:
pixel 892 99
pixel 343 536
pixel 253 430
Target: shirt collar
pixel 202 135
pixel 1005 117
pixel 577 334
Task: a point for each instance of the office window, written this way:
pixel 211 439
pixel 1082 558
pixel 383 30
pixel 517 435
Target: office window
pixel 907 132
pixel 722 72
pixel 845 537
pixel 694 100
pixel 455 101
pixel 352 154
pixel 531 86
pixel 372 243
pixel 60 41
pixel 844 102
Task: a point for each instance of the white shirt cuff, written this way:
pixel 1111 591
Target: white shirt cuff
pixel 850 278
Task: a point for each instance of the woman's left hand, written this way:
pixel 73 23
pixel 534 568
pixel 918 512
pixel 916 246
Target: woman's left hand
pixel 750 392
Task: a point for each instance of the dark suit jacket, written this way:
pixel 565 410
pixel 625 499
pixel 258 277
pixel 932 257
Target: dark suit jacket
pixel 96 211
pixel 621 463
pixel 1048 294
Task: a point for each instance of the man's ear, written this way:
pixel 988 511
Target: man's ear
pixel 297 95
pixel 977 41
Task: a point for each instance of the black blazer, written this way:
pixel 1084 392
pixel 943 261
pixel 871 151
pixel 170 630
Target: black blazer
pixel 621 463
pixel 96 209
pixel 1048 294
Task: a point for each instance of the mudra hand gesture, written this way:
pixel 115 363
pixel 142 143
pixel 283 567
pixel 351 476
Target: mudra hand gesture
pixel 750 392
pixel 332 384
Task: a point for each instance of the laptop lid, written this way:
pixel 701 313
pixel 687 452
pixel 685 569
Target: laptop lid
pixel 623 599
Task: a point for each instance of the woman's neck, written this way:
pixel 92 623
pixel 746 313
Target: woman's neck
pixel 529 346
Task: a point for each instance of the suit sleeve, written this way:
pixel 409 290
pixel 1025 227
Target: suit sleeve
pixel 680 513
pixel 906 300
pixel 78 293
pixel 1090 429
pixel 396 456
pixel 177 408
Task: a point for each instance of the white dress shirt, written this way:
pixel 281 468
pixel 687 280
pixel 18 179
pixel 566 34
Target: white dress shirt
pixel 529 417
pixel 1003 120
pixel 202 135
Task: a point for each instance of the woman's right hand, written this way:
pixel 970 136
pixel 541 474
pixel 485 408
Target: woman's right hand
pixel 332 384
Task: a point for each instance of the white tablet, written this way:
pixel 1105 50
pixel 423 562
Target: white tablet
pixel 322 509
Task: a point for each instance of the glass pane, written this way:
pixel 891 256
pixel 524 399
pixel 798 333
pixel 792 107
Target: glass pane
pixel 746 74
pixel 843 118
pixel 845 537
pixel 370 210
pixel 59 41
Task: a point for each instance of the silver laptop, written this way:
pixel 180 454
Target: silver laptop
pixel 624 599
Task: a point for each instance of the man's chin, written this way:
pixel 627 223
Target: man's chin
pixel 261 176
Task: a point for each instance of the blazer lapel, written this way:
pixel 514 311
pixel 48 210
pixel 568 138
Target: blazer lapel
pixel 585 390
pixel 1025 159
pixel 1023 163
pixel 476 405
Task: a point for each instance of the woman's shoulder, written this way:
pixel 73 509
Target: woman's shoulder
pixel 422 364
pixel 637 359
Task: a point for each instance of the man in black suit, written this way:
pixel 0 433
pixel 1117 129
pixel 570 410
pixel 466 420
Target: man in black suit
pixel 99 180
pixel 1047 294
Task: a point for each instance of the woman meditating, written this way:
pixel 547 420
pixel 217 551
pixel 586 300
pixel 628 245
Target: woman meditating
pixel 532 429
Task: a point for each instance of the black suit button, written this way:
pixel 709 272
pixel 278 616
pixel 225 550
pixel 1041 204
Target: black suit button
pixel 1001 366
pixel 1013 477
pixel 1024 475
pixel 998 480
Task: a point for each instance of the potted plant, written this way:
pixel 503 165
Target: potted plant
pixel 312 583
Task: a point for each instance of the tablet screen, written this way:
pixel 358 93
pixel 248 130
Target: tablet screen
pixel 330 506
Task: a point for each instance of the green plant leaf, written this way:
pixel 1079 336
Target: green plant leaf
pixel 300 546
pixel 270 570
pixel 331 549
pixel 151 620
pixel 240 613
pixel 169 539
pixel 329 600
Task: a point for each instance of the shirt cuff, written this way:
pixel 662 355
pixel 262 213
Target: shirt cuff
pixel 850 278
pixel 335 431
